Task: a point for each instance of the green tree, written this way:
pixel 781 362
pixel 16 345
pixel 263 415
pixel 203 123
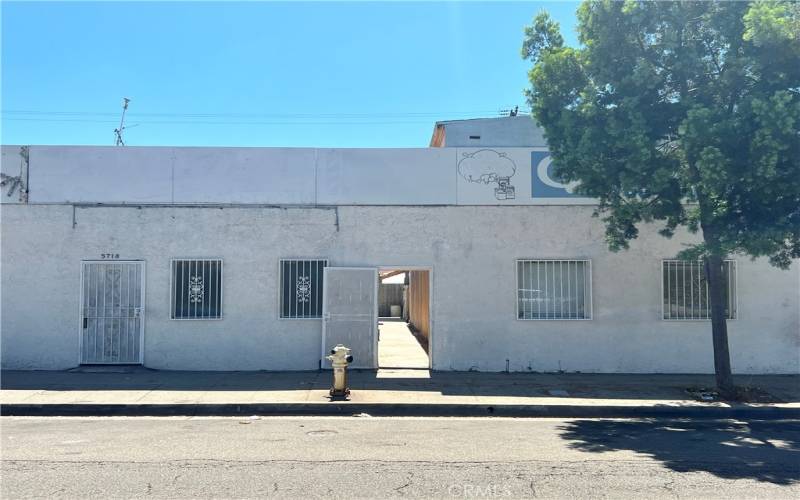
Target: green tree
pixel 683 114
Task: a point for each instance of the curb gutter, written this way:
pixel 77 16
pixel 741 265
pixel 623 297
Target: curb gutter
pixel 401 410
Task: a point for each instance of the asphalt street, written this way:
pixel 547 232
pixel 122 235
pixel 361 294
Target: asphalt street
pixel 365 457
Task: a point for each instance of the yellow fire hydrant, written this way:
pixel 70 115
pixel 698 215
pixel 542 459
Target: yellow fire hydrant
pixel 340 357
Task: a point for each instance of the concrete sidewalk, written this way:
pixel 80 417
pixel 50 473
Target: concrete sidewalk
pixel 397 346
pixel 140 391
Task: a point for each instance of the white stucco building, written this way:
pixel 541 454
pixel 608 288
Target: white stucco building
pixel 262 258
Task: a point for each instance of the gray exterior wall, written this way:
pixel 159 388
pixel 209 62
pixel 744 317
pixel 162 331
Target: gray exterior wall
pixel 471 249
pixel 509 131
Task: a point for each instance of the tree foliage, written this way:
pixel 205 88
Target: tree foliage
pixel 685 113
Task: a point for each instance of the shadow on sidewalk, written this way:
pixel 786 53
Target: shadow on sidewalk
pixel 593 386
pixel 726 449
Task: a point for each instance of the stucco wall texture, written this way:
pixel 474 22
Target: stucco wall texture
pixel 509 131
pixel 471 250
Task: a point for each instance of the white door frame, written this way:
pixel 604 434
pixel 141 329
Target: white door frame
pixel 323 349
pixel 430 305
pixel 142 313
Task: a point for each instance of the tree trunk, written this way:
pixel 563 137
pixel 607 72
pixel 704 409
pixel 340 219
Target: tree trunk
pixel 719 326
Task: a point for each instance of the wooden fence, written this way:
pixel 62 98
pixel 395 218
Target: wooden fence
pixel 389 294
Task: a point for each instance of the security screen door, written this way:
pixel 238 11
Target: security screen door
pixel 112 312
pixel 349 313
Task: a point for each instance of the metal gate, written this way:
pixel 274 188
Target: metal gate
pixel 350 313
pixel 112 312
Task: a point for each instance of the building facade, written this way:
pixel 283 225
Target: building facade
pixel 262 258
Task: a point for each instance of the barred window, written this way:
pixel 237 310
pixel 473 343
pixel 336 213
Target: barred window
pixel 685 289
pixel 301 288
pixel 554 289
pixel 196 289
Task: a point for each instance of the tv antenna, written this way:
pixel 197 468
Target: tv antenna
pixel 118 131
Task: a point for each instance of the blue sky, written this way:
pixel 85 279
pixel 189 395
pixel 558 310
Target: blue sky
pixel 259 74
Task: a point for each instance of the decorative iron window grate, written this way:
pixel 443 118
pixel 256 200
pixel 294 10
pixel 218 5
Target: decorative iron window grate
pixel 301 288
pixel 554 289
pixel 196 289
pixel 685 290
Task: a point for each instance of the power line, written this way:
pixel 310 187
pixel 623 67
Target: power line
pixel 387 114
pixel 198 122
pixel 246 119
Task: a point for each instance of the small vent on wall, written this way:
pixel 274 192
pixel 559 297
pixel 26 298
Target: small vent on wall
pixel 474 137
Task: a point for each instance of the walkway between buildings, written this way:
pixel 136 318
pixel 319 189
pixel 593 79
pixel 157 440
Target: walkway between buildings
pixel 141 391
pixel 397 346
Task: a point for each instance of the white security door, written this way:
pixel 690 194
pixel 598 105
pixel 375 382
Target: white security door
pixel 112 312
pixel 349 313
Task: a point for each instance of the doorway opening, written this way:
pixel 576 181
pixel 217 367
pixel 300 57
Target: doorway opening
pixel 404 326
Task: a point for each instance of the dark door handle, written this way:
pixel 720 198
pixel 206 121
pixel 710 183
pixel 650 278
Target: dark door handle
pixel 85 323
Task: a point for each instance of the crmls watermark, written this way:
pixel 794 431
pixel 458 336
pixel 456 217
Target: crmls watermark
pixel 478 490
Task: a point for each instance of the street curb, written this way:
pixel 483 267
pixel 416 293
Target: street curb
pixel 400 410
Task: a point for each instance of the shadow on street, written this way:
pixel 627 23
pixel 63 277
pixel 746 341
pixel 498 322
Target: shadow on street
pixel 761 450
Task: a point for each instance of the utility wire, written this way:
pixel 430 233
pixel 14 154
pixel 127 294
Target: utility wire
pixel 259 115
pixel 205 122
pixel 248 119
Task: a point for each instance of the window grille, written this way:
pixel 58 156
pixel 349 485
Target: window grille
pixel 196 289
pixel 301 288
pixel 685 290
pixel 554 289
